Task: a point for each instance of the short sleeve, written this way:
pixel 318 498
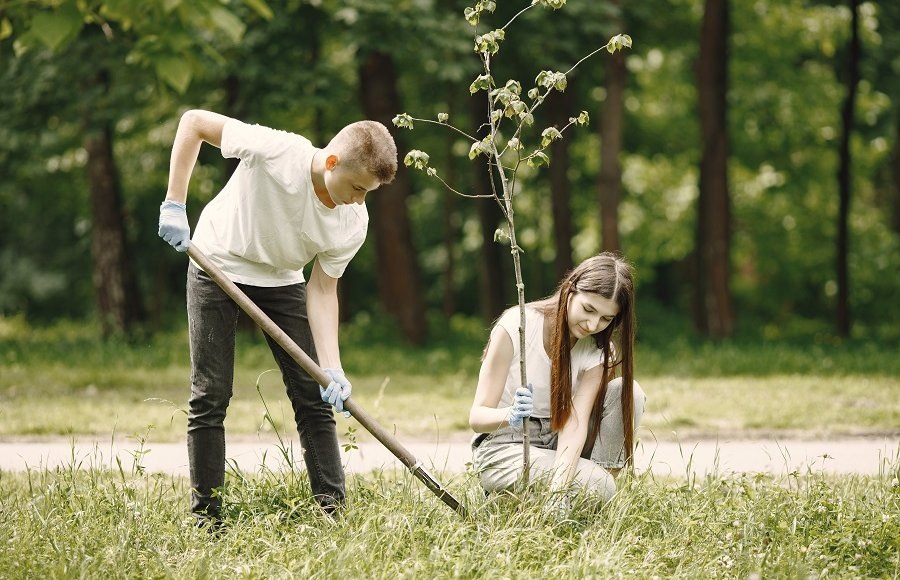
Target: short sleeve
pixel 276 152
pixel 334 262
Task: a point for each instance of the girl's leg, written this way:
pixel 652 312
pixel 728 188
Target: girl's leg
pixel 609 449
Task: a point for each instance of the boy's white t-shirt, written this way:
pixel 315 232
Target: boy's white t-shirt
pixel 267 223
pixel 585 356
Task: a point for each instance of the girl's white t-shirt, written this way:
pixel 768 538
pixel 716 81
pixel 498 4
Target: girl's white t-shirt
pixel 585 356
pixel 267 223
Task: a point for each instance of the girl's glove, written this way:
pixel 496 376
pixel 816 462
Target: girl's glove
pixel 522 407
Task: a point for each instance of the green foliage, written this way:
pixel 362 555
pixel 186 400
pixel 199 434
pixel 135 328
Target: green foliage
pixel 295 60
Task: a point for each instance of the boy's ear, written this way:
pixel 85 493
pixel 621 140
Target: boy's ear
pixel 331 162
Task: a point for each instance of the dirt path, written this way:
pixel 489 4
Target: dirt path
pixel 870 455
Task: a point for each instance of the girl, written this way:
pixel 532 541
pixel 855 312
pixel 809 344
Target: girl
pixel 580 420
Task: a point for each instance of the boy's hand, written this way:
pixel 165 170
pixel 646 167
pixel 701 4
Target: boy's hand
pixel 338 390
pixel 522 407
pixel 173 225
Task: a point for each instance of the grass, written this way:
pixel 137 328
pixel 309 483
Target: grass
pixel 72 522
pixel 63 380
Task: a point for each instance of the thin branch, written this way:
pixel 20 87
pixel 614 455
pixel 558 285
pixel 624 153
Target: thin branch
pixel 522 11
pixel 448 125
pixel 584 58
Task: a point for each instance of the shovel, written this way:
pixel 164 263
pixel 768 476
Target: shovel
pixel 269 327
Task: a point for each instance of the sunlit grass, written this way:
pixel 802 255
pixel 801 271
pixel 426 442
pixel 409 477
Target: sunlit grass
pixel 64 380
pixel 72 522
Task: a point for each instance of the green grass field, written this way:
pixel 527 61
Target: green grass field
pixel 71 523
pixel 74 522
pixel 64 381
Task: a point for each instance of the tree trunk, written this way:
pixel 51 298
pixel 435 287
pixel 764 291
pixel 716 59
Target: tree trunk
pixel 609 183
pixel 490 264
pixel 715 317
pixel 450 224
pixel 118 301
pixel 399 286
pixel 560 109
pixel 897 171
pixel 844 176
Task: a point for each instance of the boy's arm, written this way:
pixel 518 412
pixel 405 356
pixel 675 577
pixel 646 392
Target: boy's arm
pixel 322 311
pixel 195 127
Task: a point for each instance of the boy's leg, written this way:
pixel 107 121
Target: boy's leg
pixel 609 449
pixel 286 306
pixel 212 318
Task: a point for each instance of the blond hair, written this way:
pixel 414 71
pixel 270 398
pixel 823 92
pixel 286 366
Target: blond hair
pixel 367 145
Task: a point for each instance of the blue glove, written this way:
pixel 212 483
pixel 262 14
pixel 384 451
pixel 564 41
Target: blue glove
pixel 338 390
pixel 173 225
pixel 522 407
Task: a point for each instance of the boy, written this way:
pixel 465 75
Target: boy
pixel 287 203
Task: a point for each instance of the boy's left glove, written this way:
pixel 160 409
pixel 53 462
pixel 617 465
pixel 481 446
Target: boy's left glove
pixel 338 390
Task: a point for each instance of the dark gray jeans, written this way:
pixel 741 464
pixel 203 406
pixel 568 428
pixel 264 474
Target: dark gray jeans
pixel 212 320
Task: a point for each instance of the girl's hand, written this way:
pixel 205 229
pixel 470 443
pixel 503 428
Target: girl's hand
pixel 522 407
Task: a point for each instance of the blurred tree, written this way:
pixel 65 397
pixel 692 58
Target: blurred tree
pixel 714 314
pixel 108 36
pixel 844 171
pixel 612 119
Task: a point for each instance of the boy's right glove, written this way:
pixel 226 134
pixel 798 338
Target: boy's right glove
pixel 173 225
pixel 338 390
pixel 522 407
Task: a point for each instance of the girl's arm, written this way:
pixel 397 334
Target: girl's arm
pixel 574 433
pixel 485 417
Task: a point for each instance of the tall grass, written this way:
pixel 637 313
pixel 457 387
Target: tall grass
pixel 72 522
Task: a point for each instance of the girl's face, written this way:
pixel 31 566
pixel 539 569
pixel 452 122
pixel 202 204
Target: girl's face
pixel 589 313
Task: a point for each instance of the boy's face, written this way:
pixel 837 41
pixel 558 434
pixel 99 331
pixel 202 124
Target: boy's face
pixel 348 185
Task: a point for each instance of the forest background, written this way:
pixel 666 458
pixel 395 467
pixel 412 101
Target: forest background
pixel 764 133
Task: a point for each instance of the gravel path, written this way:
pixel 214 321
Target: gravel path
pixel 863 455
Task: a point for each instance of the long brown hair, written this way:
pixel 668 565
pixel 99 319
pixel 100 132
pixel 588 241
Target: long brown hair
pixel 608 275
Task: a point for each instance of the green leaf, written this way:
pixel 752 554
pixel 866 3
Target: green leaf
pixel 403 121
pixel 481 83
pixel 56 28
pixel 228 22
pixel 261 8
pixel 174 71
pixel 6 29
pixel 527 119
pixel 618 42
pixel 554 4
pixel 534 93
pixel 515 144
pixel 549 135
pixel 471 15
pixel 538 158
pixel 501 236
pixel 584 118
pixel 418 159
pixel 477 149
pixel 443 117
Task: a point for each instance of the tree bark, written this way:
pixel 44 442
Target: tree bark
pixel 714 313
pixel 844 175
pixel 399 286
pixel 118 301
pixel 609 183
pixel 560 109
pixel 490 264
pixel 896 220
